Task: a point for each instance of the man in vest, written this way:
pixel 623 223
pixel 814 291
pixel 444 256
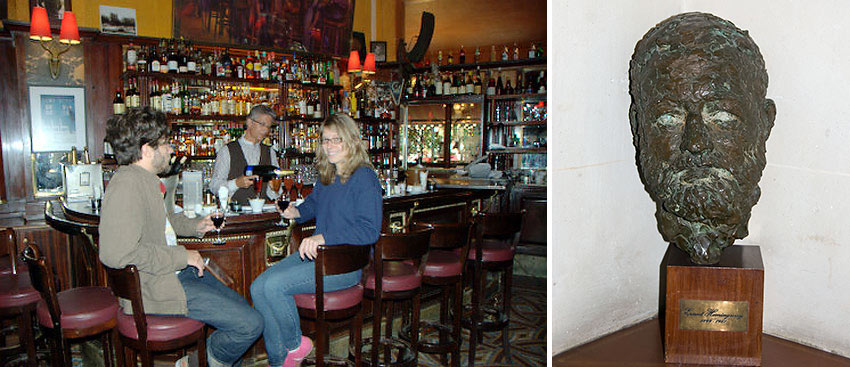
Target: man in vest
pixel 247 150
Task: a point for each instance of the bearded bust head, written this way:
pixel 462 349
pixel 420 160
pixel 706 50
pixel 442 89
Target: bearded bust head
pixel 700 121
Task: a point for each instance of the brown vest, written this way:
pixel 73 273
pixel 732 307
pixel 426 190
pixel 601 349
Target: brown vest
pixel 237 169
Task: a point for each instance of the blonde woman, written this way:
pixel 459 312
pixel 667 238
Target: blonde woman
pixel 347 206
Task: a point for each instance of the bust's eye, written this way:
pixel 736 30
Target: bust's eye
pixel 670 119
pixel 721 118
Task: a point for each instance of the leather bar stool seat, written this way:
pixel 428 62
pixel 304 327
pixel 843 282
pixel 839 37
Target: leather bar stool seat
pixel 443 264
pixel 338 300
pixel 398 277
pixel 16 291
pixel 493 252
pixel 160 328
pixel 81 308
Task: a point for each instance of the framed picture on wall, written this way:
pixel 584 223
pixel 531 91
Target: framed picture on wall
pixel 379 48
pixel 117 20
pixel 58 118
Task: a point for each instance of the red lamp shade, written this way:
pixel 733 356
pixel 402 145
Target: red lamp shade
pixel 369 64
pixel 70 34
pixel 354 62
pixel 39 26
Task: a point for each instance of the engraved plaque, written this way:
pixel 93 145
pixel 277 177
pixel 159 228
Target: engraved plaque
pixel 713 315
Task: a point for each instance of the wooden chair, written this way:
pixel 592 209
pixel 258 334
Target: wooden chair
pixel 496 236
pixel 71 314
pixel 149 333
pixel 398 263
pixel 335 306
pixel 449 248
pixel 17 301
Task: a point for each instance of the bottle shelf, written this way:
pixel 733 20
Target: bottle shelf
pixel 221 79
pixel 523 96
pixel 447 99
pixel 375 120
pixel 381 150
pixel 516 150
pixel 541 61
pixel 314 120
pixel 181 118
pixel 519 123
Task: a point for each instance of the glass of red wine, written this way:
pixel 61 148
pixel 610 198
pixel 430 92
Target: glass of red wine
pixel 217 218
pixel 282 203
pixel 298 185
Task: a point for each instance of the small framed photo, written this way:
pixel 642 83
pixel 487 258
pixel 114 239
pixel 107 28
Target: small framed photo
pixel 379 48
pixel 58 118
pixel 117 20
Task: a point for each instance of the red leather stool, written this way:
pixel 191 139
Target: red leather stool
pixel 73 313
pixel 17 300
pixel 400 280
pixel 493 249
pixel 444 269
pixel 148 333
pixel 340 305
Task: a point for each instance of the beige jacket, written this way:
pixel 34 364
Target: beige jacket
pixel 132 231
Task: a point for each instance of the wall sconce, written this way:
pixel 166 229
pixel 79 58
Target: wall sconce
pixel 368 67
pixel 40 31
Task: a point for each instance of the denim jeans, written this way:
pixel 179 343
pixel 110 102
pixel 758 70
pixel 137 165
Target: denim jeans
pixel 211 302
pixel 272 293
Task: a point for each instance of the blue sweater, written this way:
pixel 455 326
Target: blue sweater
pixel 349 213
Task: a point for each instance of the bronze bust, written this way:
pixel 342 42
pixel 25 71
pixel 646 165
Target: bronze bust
pixel 700 121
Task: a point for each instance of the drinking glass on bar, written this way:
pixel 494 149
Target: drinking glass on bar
pixel 217 218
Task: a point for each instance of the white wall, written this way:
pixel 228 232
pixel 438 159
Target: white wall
pixel 606 250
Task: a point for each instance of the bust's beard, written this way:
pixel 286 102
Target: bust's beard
pixel 701 208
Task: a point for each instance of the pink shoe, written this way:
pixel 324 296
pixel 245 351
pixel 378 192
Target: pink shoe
pixel 294 358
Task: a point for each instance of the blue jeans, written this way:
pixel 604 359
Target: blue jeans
pixel 211 302
pixel 272 293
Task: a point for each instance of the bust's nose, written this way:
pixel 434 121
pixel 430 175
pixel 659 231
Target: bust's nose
pixel 696 138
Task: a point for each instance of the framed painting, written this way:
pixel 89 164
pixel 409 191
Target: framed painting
pixel 58 118
pixel 379 48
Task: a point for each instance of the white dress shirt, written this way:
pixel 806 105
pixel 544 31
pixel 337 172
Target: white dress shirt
pixel 251 152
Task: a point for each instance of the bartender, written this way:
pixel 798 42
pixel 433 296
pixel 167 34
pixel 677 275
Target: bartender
pixel 248 150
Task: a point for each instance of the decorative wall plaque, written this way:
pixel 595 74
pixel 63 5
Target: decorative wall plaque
pixel 713 315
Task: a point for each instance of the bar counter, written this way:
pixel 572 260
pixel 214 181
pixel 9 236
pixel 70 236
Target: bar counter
pixel 253 242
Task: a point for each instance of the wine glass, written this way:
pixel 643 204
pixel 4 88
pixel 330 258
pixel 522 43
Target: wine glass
pixel 217 218
pixel 258 185
pixel 282 203
pixel 299 183
pixel 287 183
pixel 275 182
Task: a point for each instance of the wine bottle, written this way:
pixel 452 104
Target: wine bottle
pixel 266 171
pixel 176 164
pixel 118 106
pixel 461 56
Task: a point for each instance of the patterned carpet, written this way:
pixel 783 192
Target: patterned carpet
pixel 527 331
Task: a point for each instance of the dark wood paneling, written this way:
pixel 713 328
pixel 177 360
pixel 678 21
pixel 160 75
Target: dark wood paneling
pixel 13 89
pixel 53 245
pixel 103 68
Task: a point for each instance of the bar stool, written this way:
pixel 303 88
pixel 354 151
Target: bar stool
pixel 18 300
pixel 336 306
pixel 71 314
pixel 148 333
pixel 444 269
pixel 496 236
pixel 400 280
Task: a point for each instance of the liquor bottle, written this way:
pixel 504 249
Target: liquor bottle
pixel 462 56
pixel 500 87
pixel 154 98
pixel 264 67
pixel 477 56
pixel 493 53
pixel 541 81
pixel 192 60
pixel 142 61
pixel 182 59
pixel 431 89
pixel 153 60
pixel 118 106
pixel 470 86
pixel 505 53
pixel 440 57
pixel 451 57
pixel 258 65
pixel 477 85
pixel 438 86
pixel 226 64
pixel 173 63
pixel 133 99
pixel 130 58
pixel 447 85
pixel 509 89
pixel 166 99
pixel 457 88
pixel 532 52
pixel 516 51
pixel 241 69
pixel 491 85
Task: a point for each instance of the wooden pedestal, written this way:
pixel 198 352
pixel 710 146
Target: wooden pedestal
pixel 713 314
